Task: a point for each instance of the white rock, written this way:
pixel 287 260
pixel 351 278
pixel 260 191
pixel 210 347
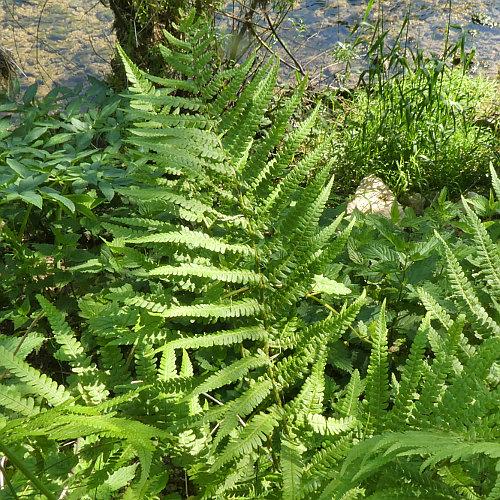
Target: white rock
pixel 373 197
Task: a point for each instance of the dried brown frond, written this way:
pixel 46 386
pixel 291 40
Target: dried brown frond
pixel 8 66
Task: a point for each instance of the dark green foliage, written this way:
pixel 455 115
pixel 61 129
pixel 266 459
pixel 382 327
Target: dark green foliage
pixel 57 166
pixel 246 339
pixel 415 120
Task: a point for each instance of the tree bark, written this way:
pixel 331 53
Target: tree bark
pixel 138 27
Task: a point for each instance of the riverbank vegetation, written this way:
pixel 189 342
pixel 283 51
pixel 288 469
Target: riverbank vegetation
pixel 186 311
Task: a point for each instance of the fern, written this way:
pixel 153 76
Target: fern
pixel 377 384
pixel 465 295
pixel 292 467
pixel 220 349
pixel 39 383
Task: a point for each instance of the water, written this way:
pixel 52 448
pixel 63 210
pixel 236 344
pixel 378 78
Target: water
pixel 312 29
pixel 60 42
pixel 57 42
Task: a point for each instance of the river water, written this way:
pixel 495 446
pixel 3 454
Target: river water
pixel 60 42
pixel 331 21
pixel 57 42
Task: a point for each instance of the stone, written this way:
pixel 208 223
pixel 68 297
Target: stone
pixel 373 197
pixel 415 201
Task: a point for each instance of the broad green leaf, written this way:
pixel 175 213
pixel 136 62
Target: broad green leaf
pixel 18 167
pixel 328 286
pixel 32 198
pixel 59 139
pixel 52 193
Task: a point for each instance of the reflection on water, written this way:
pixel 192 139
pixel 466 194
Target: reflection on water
pixel 62 41
pixel 312 29
pixel 57 41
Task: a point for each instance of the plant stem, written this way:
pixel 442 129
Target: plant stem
pixel 18 462
pixel 20 234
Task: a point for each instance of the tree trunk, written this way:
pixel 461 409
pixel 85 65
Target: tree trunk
pixel 138 26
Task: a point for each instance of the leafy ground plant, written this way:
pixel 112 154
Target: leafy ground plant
pixel 416 120
pixel 57 165
pixel 208 364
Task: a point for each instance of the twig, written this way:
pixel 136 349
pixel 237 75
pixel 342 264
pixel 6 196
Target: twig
pixel 292 57
pixel 264 44
pixel 313 58
pixel 220 403
pixel 37 38
pixel 95 52
pixel 241 20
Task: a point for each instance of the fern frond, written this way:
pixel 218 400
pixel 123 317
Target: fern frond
pixel 274 137
pixel 140 84
pixel 285 156
pixel 438 312
pixel 171 83
pixel 349 406
pixel 231 373
pixel 460 398
pixel 293 368
pixel 410 378
pixel 73 426
pixel 248 110
pixel 280 196
pixel 489 258
pixel 226 94
pixel 321 465
pixel 197 210
pixel 377 380
pixel 223 337
pixel 145 101
pixel 434 387
pixel 241 407
pixel 230 276
pixel 291 467
pixel 310 398
pixel 11 399
pixel 192 239
pixel 234 309
pixel 331 426
pixel 71 348
pixel 495 182
pixel 250 438
pixel 41 384
pixel 466 297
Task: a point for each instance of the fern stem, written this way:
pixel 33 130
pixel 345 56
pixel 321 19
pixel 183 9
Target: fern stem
pixel 234 292
pixel 330 308
pixel 220 403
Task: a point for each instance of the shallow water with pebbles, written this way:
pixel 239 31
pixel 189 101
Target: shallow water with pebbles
pixel 312 29
pixel 60 42
pixel 57 42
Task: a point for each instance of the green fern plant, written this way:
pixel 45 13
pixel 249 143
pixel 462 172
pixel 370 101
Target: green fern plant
pixel 213 352
pixel 230 253
pixel 202 355
pixel 443 420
